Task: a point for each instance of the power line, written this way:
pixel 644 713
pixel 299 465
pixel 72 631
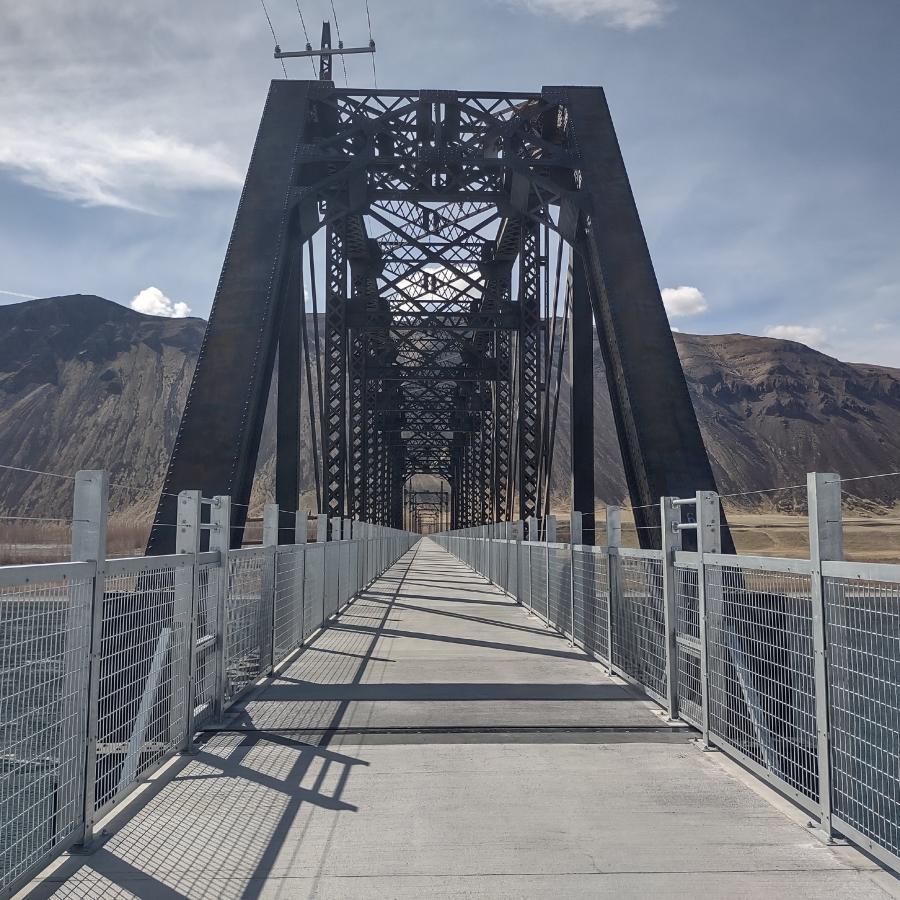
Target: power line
pixel 305 34
pixel 272 29
pixel 371 43
pixel 337 28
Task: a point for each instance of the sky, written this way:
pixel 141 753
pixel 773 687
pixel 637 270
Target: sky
pixel 761 138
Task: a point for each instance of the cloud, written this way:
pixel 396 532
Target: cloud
pixel 99 166
pixel 684 301
pixel 627 14
pixel 153 302
pixel 17 294
pixel 803 334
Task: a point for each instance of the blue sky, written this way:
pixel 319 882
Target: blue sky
pixel 762 140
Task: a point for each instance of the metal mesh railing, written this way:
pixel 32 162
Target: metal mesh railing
pixel 559 580
pixel 538 571
pixel 332 578
pixel 313 588
pixel 863 638
pixel 103 677
pixel 760 665
pixel 639 632
pixel 687 642
pixel 245 621
pixel 143 678
pixel 754 622
pixel 590 577
pixel 209 586
pixel 44 648
pixel 287 628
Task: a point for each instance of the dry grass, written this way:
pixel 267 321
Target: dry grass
pixel 42 542
pixel 867 538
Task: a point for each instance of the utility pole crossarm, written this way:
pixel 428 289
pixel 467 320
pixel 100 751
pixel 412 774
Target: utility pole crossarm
pixel 325 51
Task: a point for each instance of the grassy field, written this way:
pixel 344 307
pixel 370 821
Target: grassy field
pixel 867 538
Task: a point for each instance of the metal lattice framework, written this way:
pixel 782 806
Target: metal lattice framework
pixel 442 212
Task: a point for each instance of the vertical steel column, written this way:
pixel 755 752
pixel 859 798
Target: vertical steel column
pixel 334 435
pixel 89 519
pixel 826 542
pixel 670 517
pixel 503 414
pixel 529 348
pixel 187 595
pixel 287 452
pixel 581 381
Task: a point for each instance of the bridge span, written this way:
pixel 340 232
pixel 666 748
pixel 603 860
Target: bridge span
pixel 439 739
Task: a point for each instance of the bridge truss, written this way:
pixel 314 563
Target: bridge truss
pixel 464 241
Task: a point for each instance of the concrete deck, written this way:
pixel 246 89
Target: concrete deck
pixel 438 741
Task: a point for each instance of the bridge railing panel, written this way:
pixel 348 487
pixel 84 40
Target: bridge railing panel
pixel 246 620
pixel 45 636
pixel 791 666
pixel 108 667
pixel 590 576
pixel 862 605
pixel 638 626
pixel 761 672
pixel 141 714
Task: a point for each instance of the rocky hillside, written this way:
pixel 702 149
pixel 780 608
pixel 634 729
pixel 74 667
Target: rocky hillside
pixel 86 383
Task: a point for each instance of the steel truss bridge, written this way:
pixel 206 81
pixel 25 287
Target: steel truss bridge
pixel 465 247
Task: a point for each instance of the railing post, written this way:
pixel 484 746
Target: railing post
pixel 709 540
pixel 220 540
pixel 670 517
pixel 321 528
pixel 187 542
pixel 301 526
pixel 575 538
pixel 548 526
pixel 613 542
pixel 89 520
pixel 826 542
pixel 270 540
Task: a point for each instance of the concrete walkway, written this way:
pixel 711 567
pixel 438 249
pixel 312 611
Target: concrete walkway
pixel 439 742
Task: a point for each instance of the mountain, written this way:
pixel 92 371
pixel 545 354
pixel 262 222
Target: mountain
pixel 86 383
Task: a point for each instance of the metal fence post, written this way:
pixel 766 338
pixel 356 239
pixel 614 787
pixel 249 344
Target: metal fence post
pixel 187 542
pixel 270 540
pixel 670 517
pixel 220 540
pixel 89 521
pixel 575 538
pixel 709 540
pixel 613 542
pixel 826 542
pixel 301 526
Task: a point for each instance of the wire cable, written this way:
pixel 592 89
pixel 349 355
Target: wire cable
pixel 305 34
pixel 337 28
pixel 272 29
pixel 372 45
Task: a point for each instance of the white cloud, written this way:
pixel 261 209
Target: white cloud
pixel 803 334
pixel 684 301
pixel 153 302
pixel 98 166
pixel 17 294
pixel 627 14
